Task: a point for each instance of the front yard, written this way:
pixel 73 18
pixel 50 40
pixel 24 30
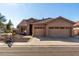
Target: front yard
pixel 42 41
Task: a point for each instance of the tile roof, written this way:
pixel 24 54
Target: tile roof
pixel 42 21
pixel 76 24
pixel 51 19
pixel 60 17
pixel 25 21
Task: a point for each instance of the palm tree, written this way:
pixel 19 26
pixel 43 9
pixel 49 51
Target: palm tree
pixel 2 20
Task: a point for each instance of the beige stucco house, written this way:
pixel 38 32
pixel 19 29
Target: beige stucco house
pixel 57 27
pixel 53 27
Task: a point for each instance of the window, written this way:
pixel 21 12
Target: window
pixel 51 27
pixel 39 27
pixel 67 27
pixel 59 27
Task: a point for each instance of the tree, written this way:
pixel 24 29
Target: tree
pixel 10 23
pixel 2 20
pixel 9 26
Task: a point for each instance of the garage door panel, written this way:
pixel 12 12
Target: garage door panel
pixel 39 32
pixel 59 32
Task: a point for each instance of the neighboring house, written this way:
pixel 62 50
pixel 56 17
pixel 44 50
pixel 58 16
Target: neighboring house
pixel 53 27
pixel 76 28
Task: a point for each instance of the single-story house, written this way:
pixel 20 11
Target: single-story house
pixel 53 27
pixel 57 27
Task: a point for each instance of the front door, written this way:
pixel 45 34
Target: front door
pixel 30 29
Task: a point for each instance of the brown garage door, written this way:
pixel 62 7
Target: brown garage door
pixel 59 31
pixel 39 31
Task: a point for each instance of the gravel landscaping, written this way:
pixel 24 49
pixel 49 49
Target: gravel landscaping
pixel 29 40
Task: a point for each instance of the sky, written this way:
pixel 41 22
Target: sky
pixel 16 12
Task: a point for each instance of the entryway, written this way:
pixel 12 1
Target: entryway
pixel 30 29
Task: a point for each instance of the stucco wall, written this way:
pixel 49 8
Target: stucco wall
pixel 76 31
pixel 24 23
pixel 58 32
